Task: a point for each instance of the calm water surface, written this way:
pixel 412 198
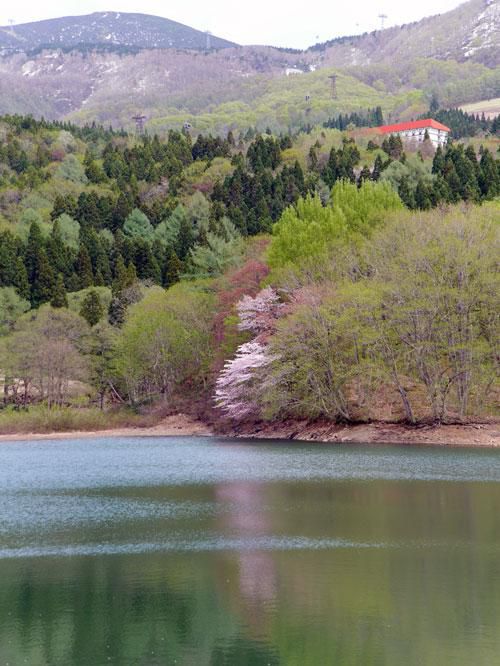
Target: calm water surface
pixel 197 552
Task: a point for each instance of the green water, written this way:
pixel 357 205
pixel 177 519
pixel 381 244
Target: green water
pixel 204 552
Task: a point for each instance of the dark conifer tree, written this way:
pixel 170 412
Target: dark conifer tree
pixel 365 174
pixel 92 310
pixel 64 204
pixel 173 269
pixel 120 280
pixel 43 283
pixel 84 268
pixel 59 298
pixel 8 259
pixel 20 280
pixel 60 257
pixel 377 168
pixel 405 193
pixel 185 240
pixel 438 162
pixel 422 196
pixel 34 246
pixel 489 176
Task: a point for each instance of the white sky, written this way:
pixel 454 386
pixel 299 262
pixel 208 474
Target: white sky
pixel 296 23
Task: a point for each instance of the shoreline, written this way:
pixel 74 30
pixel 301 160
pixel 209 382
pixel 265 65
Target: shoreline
pixel 474 435
pixel 480 435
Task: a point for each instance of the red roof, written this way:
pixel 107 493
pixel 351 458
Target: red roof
pixel 416 124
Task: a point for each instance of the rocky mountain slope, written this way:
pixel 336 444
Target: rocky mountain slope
pixel 471 32
pixel 106 67
pixel 108 29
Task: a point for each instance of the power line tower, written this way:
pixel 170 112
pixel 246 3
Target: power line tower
pixel 209 39
pixel 333 79
pixel 140 121
pixel 382 18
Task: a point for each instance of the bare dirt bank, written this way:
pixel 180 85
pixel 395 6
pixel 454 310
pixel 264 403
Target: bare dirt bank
pixel 487 434
pixel 475 435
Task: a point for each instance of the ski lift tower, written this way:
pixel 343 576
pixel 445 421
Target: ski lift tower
pixel 333 79
pixel 382 18
pixel 140 121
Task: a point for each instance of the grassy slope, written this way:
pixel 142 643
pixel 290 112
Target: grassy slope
pixel 490 107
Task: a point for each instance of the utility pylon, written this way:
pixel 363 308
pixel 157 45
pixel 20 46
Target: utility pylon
pixel 139 123
pixel 382 18
pixel 333 79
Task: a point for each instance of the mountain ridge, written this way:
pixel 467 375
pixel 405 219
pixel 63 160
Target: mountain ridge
pixel 454 56
pixel 108 29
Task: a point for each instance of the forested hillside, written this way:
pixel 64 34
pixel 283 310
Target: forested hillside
pixel 95 225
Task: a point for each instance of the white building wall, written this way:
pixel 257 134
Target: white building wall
pixel 438 137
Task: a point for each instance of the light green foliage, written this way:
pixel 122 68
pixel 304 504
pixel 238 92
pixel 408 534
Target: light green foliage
pixel 29 216
pixel 137 225
pixel 414 170
pixel 433 301
pixel 220 253
pixel 12 306
pixel 309 233
pixel 166 340
pixel 69 230
pixel 305 233
pixel 72 169
pixel 43 351
pixel 198 212
pixel 422 318
pixel 366 207
pixel 167 232
pixel 106 235
pixel 66 141
pixel 278 103
pixel 312 363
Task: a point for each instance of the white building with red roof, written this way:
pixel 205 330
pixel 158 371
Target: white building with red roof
pixel 415 131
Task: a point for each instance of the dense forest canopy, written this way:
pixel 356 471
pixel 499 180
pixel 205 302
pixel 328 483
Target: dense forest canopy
pixel 95 224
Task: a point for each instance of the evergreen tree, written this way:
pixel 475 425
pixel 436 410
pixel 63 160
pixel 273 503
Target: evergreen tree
pixel 92 309
pixel 489 176
pixel 185 239
pixel 64 205
pixel 438 162
pixel 377 168
pixel 131 273
pixel 405 193
pixel 173 269
pixel 145 262
pixel 21 279
pixel 43 283
pixel 8 259
pixel 422 196
pixel 120 281
pixel 58 253
pixel 59 298
pixel 365 174
pixel 84 268
pixel 34 246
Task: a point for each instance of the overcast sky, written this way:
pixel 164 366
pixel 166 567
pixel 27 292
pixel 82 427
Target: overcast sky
pixel 278 22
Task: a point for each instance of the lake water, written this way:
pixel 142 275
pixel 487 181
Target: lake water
pixel 193 551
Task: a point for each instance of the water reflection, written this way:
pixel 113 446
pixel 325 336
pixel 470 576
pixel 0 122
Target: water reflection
pixel 253 572
pixel 244 515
